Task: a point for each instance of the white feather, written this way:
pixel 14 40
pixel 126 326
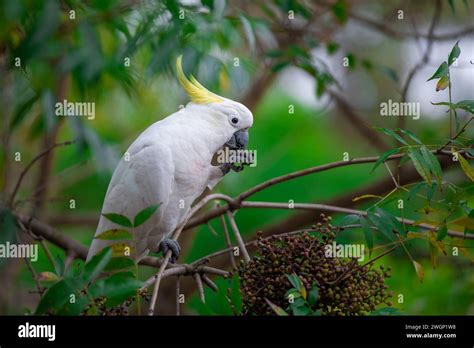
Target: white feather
pixel 169 163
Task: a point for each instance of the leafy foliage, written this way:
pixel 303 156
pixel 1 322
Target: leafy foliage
pixel 299 263
pixel 81 290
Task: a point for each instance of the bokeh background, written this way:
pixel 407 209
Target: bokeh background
pixel 284 59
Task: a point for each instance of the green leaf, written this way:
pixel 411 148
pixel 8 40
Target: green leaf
pixel 441 72
pixel 300 311
pixel 144 215
pixel 47 277
pixel 332 47
pixel 292 292
pixel 410 135
pixel 274 53
pixel 442 84
pixel 451 5
pixel 420 273
pixel 277 309
pixel 295 281
pixel 20 113
pixel 466 167
pixel 369 238
pixel 118 219
pixel 313 294
pixel 96 265
pixel 339 9
pixel 433 164
pixel 392 134
pixel 389 72
pixel 383 157
pixel 173 7
pixel 248 31
pixel 454 54
pixel 279 66
pixel 115 234
pixel 120 262
pixel 58 295
pixel 74 308
pixel 117 288
pixel 381 225
pixel 442 231
pixel 59 265
pixel 415 189
pixel 467 105
pixel 451 105
pixel 420 165
pixel 390 220
pixel 366 196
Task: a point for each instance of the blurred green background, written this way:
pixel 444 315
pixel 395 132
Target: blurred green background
pixel 270 55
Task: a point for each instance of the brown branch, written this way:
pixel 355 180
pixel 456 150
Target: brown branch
pixel 238 236
pixel 228 242
pixel 424 59
pixel 31 163
pixel 380 187
pixel 176 235
pixel 46 164
pixel 209 283
pixel 215 212
pixel 200 288
pixel 391 32
pixel 358 123
pixel 335 209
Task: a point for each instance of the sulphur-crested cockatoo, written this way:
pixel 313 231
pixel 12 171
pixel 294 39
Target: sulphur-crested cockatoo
pixel 170 164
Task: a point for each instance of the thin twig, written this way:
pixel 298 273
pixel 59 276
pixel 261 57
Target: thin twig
pixel 70 257
pixel 178 293
pixel 347 274
pixel 197 278
pixel 209 282
pixel 213 213
pixel 176 234
pixel 228 242
pixel 325 207
pixel 238 236
pixel 39 289
pixel 462 130
pixel 391 175
pixel 424 59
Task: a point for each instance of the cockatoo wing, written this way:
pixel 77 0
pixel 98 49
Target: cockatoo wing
pixel 144 180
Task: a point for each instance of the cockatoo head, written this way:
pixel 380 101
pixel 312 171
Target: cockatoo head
pixel 230 119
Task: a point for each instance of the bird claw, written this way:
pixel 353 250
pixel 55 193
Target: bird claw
pixel 225 168
pixel 170 244
pixel 237 168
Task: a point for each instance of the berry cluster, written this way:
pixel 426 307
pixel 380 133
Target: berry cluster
pixel 265 276
pixel 98 306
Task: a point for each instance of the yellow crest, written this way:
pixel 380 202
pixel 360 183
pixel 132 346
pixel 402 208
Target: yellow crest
pixel 197 92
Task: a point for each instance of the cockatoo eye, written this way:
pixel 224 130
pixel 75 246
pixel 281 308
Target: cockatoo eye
pixel 235 120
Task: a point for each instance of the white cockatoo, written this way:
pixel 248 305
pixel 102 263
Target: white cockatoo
pixel 170 164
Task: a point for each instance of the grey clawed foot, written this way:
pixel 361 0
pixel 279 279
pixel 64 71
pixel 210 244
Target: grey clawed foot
pixel 225 168
pixel 170 244
pixel 236 168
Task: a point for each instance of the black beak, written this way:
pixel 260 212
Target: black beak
pixel 239 140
